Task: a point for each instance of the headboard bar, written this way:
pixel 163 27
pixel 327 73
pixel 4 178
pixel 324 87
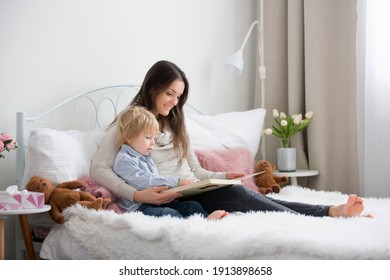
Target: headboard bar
pixel 21 151
pixel 77 97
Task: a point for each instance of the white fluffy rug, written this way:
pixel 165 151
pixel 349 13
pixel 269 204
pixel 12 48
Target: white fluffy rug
pixel 106 235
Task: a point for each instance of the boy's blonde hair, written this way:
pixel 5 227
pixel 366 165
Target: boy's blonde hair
pixel 132 121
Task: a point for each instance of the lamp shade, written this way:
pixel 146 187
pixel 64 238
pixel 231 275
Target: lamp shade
pixel 235 63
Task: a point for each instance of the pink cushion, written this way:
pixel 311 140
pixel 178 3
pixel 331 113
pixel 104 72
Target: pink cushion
pixel 99 191
pixel 230 159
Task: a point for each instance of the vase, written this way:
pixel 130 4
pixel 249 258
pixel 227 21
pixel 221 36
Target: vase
pixel 286 156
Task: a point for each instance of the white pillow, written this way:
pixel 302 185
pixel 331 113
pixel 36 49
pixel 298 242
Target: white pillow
pixel 60 156
pixel 226 130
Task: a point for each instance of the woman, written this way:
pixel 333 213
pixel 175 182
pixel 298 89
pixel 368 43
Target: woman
pixel 164 93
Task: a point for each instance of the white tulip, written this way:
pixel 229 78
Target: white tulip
pixel 275 113
pixel 284 123
pixel 297 120
pixel 283 116
pixel 268 131
pixel 309 115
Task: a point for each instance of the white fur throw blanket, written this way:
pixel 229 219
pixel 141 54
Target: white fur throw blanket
pixel 263 235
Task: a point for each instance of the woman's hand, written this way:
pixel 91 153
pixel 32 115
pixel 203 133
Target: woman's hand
pixel 186 181
pixel 154 196
pixel 234 175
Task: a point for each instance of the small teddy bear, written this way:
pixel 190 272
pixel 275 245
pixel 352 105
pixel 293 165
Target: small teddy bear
pixel 267 182
pixel 63 195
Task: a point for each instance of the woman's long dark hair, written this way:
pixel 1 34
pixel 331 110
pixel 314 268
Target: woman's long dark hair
pixel 159 77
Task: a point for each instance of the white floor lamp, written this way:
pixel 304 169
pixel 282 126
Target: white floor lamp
pixel 235 63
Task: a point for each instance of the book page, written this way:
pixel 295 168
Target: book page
pixel 203 186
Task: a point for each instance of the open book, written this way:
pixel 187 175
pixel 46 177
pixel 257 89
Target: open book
pixel 208 185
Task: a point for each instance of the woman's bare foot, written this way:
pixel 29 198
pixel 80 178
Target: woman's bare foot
pixel 218 214
pixel 353 207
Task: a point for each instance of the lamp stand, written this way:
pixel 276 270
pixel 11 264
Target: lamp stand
pixel 235 64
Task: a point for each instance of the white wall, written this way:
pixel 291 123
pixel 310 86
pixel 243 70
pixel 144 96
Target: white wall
pixel 53 49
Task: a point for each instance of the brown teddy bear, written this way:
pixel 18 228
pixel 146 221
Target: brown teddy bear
pixel 63 195
pixel 267 182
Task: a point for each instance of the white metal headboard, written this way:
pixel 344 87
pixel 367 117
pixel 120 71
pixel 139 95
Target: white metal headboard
pixel 88 110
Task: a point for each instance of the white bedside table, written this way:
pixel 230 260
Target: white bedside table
pixel 22 213
pixel 298 173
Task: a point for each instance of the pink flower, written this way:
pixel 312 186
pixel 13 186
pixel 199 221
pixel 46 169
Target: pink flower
pixel 7 143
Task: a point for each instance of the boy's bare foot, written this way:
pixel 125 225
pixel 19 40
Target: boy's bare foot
pixel 353 207
pixel 218 214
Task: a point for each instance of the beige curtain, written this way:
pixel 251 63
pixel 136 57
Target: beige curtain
pixel 310 49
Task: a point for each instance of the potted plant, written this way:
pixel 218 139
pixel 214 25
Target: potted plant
pixel 287 126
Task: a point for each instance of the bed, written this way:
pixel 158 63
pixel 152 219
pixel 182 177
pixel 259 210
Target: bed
pixel 59 144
